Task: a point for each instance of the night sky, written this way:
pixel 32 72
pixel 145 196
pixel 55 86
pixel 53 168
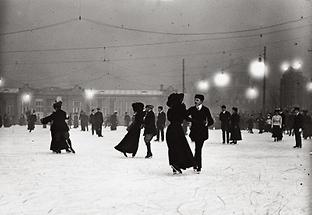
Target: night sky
pixel 140 44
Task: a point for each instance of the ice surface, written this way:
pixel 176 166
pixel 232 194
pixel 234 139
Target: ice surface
pixel 257 176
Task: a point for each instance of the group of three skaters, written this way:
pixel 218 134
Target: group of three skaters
pixel 179 152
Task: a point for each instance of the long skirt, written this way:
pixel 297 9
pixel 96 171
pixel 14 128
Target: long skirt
pixel 179 151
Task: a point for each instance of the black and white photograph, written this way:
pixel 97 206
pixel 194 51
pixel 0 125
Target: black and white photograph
pixel 149 107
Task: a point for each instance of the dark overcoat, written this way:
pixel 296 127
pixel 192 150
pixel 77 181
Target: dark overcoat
pixel 201 120
pixel 130 142
pixel 179 151
pixel 58 128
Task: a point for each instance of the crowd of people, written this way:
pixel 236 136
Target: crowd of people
pixel 199 118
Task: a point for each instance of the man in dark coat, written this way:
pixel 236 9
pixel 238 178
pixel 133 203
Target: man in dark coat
pixel 83 121
pixel 92 121
pixel 160 123
pixel 297 126
pixel 201 119
pixel 0 120
pixel 98 119
pixel 225 118
pixel 149 129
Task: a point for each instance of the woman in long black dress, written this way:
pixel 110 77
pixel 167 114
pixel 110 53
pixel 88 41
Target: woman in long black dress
pixel 130 143
pixel 59 128
pixel 180 154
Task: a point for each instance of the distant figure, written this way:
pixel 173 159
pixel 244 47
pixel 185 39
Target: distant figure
pixel 179 151
pixel 149 128
pixel 127 119
pixel 1 120
pixel 22 120
pixel 76 120
pixel 201 119
pixel 31 121
pixel 98 122
pixel 277 122
pixel 6 121
pixel 225 118
pixel 160 123
pixel 261 123
pixel 297 127
pixel 59 129
pixel 83 121
pixel 70 120
pixel 113 121
pixel 250 124
pixel 92 121
pixel 130 142
pixel 234 127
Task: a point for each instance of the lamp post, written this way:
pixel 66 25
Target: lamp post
pixel 264 81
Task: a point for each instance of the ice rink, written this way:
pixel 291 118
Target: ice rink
pixel 257 176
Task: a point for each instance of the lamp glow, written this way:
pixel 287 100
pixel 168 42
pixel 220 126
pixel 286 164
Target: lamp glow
pixel 252 93
pixel 1 82
pixel 202 85
pixel 257 69
pixel 285 66
pixel 297 65
pixel 90 93
pixel 26 97
pixel 309 86
pixel 222 79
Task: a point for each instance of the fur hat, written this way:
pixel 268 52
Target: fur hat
pixel 175 99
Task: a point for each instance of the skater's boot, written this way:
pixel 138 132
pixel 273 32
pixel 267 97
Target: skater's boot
pixel 125 154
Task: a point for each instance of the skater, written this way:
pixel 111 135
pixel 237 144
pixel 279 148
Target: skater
pixel 130 143
pixel 160 124
pixel 83 121
pixel 179 152
pixel 127 119
pixel 234 126
pixel 225 117
pixel 98 121
pixel 76 120
pixel 250 123
pixel 114 121
pixel 92 121
pixel 277 132
pixel 59 129
pixel 149 128
pixel 31 119
pixel 297 127
pixel 0 120
pixel 201 119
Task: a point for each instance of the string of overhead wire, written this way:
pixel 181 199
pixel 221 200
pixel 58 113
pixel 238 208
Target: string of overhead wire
pixel 122 27
pixel 234 50
pixel 120 46
pixel 39 27
pixel 156 32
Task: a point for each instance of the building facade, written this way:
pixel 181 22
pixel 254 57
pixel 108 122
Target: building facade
pixel 17 101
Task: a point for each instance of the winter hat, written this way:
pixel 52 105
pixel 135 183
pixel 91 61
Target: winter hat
pixel 200 97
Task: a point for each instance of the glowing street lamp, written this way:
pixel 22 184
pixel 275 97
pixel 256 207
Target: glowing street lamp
pixel 202 85
pixel 252 93
pixel 309 86
pixel 90 93
pixel 222 79
pixel 257 69
pixel 285 66
pixel 26 97
pixel 297 65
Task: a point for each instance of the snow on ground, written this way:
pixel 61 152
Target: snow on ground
pixel 257 176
